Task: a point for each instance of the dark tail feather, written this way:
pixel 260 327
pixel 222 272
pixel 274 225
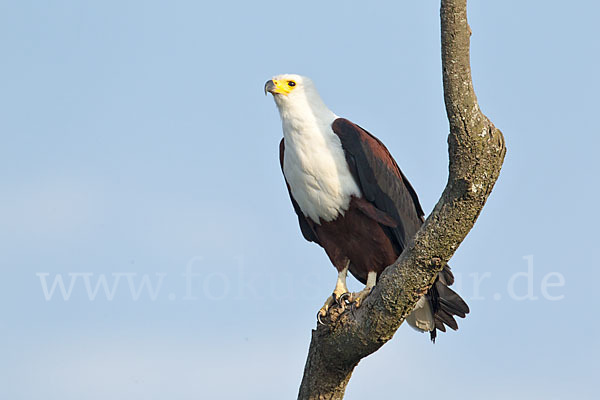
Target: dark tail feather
pixel 445 303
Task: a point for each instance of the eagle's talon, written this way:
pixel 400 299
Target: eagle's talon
pixel 319 317
pixel 342 298
pixel 323 311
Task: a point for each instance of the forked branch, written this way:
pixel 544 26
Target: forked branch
pixel 476 149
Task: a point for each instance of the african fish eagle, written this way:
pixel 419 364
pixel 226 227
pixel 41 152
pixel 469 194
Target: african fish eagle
pixel 352 199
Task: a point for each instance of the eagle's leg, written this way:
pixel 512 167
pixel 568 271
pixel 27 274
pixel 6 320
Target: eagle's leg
pixel 357 298
pixel 340 291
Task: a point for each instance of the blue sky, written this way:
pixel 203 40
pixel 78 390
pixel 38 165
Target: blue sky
pixel 138 147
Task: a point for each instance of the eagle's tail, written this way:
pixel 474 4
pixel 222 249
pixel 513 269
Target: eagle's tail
pixel 438 307
pixel 445 303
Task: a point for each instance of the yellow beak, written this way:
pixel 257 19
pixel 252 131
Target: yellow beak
pixel 275 86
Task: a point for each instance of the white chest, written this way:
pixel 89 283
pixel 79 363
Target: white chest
pixel 315 167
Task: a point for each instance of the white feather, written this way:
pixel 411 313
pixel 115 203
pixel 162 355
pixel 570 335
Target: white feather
pixel 314 163
pixel 421 318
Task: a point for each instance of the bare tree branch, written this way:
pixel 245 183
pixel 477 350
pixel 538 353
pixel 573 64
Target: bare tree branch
pixel 476 150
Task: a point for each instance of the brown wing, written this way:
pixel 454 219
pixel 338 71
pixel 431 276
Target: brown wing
pixel 305 223
pixel 385 186
pixel 380 179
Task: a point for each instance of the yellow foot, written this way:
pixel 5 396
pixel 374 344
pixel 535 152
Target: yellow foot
pixel 337 297
pixel 323 311
pixel 339 293
pixel 358 298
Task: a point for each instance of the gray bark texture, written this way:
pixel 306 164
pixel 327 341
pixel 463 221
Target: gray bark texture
pixel 476 149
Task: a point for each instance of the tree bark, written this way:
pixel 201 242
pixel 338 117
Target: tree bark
pixel 476 150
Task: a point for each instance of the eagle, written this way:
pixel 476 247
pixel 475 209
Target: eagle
pixel 353 200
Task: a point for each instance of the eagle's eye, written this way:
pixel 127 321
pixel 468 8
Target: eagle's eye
pixel 291 83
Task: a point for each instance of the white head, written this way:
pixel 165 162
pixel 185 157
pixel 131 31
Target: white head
pixel 297 98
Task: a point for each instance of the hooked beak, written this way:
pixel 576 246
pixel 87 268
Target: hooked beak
pixel 270 87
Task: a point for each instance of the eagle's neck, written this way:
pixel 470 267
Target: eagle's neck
pixel 314 162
